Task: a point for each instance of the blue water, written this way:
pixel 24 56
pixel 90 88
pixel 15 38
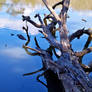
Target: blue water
pixel 14 61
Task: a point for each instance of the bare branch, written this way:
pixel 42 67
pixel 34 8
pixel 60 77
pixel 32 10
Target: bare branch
pixel 82 53
pixel 40 80
pixel 51 10
pixel 36 43
pixel 27 74
pixel 31 49
pixel 39 17
pixel 59 3
pixel 79 33
pixel 30 53
pixel 28 37
pixel 27 18
pixel 88 42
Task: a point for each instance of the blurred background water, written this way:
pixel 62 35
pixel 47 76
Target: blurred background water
pixel 14 61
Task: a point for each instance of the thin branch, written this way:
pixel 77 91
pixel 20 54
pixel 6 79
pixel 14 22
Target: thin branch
pixel 79 33
pixel 88 42
pixel 27 18
pixel 48 17
pixel 30 53
pixel 59 3
pixel 51 10
pixel 27 74
pixel 82 53
pixel 28 37
pixel 39 17
pixel 31 49
pixel 36 42
pixel 40 80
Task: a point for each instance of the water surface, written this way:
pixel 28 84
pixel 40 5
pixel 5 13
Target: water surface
pixel 14 61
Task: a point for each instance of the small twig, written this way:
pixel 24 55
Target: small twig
pixel 31 49
pixel 28 37
pixel 39 17
pixel 27 74
pixel 88 42
pixel 79 33
pixel 36 42
pixel 82 53
pixel 51 10
pixel 40 80
pixel 30 53
pixel 27 18
pixel 59 3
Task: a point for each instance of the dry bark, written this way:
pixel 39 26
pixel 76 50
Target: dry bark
pixel 67 68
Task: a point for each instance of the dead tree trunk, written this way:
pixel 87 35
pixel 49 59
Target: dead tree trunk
pixel 68 68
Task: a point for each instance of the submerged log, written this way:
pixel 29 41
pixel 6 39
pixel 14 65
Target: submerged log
pixel 69 72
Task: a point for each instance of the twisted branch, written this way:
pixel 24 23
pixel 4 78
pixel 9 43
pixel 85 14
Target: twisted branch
pixel 27 18
pixel 79 33
pixel 51 10
pixel 82 53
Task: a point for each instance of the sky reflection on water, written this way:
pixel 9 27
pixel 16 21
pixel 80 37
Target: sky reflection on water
pixel 14 62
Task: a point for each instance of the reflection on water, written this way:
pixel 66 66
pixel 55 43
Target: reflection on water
pixel 11 52
pixel 14 61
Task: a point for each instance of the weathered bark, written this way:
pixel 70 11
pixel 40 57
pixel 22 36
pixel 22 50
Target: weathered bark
pixel 67 68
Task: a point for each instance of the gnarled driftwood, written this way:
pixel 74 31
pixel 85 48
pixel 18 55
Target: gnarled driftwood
pixel 70 73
